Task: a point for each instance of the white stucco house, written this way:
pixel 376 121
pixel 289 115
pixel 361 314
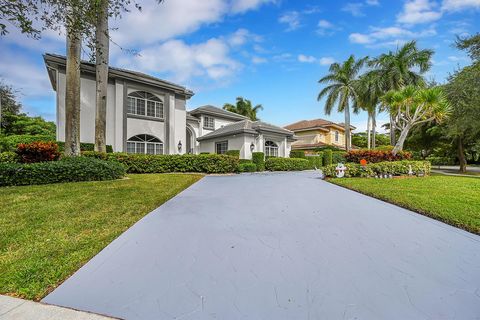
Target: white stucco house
pixel 148 115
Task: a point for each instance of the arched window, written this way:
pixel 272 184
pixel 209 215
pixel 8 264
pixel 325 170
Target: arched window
pixel 271 149
pixel 145 104
pixel 145 144
pixel 336 136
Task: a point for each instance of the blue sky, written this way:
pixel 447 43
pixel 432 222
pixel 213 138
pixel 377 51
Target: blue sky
pixel 270 51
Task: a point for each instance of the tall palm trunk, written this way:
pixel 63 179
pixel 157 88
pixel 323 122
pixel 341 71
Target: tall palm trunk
pixel 374 129
pixel 72 94
pixel 101 59
pixel 369 119
pixel 347 128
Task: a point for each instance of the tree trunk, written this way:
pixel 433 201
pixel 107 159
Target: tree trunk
pixel 403 136
pixel 374 129
pixel 392 131
pixel 347 128
pixel 72 93
pixel 101 59
pixel 461 156
pixel 368 130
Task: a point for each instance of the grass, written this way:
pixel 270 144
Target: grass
pixel 453 200
pixel 48 232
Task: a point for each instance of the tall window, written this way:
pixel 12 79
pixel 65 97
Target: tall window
pixel 221 147
pixel 145 144
pixel 208 122
pixel 271 149
pixel 336 136
pixel 145 104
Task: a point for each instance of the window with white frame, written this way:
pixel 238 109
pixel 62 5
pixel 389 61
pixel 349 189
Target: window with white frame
pixel 208 122
pixel 271 149
pixel 336 136
pixel 144 104
pixel 221 147
pixel 144 144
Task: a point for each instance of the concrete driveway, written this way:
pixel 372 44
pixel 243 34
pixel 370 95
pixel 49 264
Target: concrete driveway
pixel 280 246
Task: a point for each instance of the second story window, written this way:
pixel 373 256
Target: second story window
pixel 145 104
pixel 208 122
pixel 336 136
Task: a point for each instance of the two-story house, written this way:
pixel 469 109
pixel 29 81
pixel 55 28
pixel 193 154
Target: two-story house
pixel 148 115
pixel 317 133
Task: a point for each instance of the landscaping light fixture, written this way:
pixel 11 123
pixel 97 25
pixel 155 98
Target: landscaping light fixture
pixel 179 146
pixel 252 147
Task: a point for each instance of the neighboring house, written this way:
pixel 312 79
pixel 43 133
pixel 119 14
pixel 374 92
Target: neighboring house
pixel 317 133
pixel 148 115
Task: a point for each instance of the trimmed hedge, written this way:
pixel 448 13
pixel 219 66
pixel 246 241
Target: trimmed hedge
pixel 327 157
pixel 8 157
pixel 247 167
pixel 297 154
pixel 259 159
pixel 286 164
pixel 396 168
pixel 315 161
pixel 374 156
pixel 438 161
pixel 233 153
pixel 65 170
pixel 37 152
pixel 144 163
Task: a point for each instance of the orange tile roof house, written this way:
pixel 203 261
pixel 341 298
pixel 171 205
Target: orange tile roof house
pixel 317 133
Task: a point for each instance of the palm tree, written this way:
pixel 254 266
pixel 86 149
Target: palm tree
pixel 244 107
pixel 369 91
pixel 401 68
pixel 342 89
pixel 412 106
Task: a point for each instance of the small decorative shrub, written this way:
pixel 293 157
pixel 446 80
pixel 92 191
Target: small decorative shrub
pixel 315 161
pixel 395 168
pixel 259 159
pixel 247 167
pixel 37 152
pixel 286 164
pixel 84 146
pixel 10 143
pixel 8 157
pixel 374 156
pixel 438 161
pixel 144 163
pixel 327 157
pixel 338 157
pixel 297 154
pixel 65 170
pixel 233 153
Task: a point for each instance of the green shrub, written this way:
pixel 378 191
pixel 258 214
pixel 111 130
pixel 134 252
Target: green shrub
pixel 37 152
pixel 315 161
pixel 233 153
pixel 438 161
pixel 373 156
pixel 247 167
pixel 286 164
pixel 245 161
pixel 396 168
pixel 259 159
pixel 66 170
pixel 8 157
pixel 338 157
pixel 327 157
pixel 145 163
pixel 84 146
pixel 10 143
pixel 297 154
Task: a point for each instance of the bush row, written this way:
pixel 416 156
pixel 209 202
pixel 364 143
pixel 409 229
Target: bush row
pixel 66 170
pixel 143 163
pixel 396 168
pixel 8 157
pixel 247 167
pixel 259 159
pixel 374 156
pixel 287 164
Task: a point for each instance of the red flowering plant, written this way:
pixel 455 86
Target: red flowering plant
pixel 37 152
pixel 374 156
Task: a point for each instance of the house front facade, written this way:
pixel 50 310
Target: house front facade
pixel 148 115
pixel 317 133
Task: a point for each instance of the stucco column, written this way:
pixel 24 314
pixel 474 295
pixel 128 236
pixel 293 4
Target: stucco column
pixel 172 145
pixel 120 111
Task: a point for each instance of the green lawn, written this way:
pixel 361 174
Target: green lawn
pixel 47 232
pixel 454 200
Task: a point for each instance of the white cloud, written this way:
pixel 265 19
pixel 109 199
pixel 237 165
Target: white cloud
pixel 258 60
pixel 383 34
pixel 457 5
pixel 240 6
pixel 325 27
pixel 306 59
pixel 419 11
pixel 326 61
pixel 291 19
pixel 241 37
pixel 372 2
pixel 360 38
pixel 356 8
